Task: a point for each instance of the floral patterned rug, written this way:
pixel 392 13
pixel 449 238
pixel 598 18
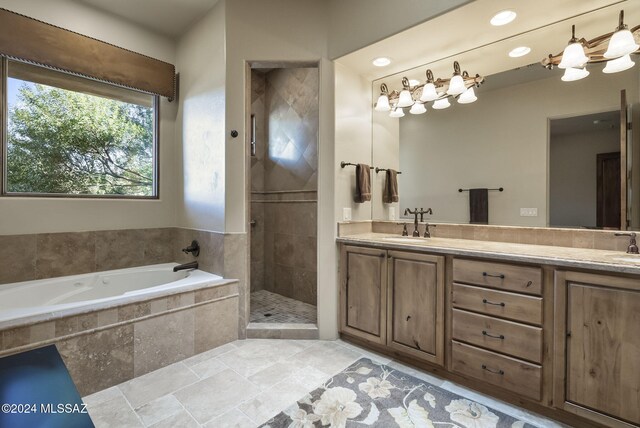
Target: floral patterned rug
pixel 372 394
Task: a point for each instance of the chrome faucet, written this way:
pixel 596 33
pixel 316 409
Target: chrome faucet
pixel 633 246
pixel 415 213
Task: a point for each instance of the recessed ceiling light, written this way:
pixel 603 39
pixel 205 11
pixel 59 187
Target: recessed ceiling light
pixel 519 51
pixel 381 62
pixel 503 18
pixel 414 82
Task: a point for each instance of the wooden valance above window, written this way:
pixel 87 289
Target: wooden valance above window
pixel 28 39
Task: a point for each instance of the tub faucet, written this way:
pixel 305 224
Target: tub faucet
pixel 422 212
pixel 194 248
pixel 186 266
pixel 633 246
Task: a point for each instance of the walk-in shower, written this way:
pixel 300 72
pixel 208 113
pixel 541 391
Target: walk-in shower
pixel 284 183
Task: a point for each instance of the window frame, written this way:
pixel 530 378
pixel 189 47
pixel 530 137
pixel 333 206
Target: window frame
pixel 4 73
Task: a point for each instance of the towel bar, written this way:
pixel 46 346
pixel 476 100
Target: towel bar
pixel 501 189
pixel 385 169
pixel 343 164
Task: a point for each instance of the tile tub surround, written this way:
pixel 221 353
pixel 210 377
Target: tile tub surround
pixel 107 347
pixel 557 237
pixel 264 377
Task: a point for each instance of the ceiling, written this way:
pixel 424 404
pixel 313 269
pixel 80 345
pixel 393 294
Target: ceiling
pixel 170 18
pixel 465 35
pixel 587 123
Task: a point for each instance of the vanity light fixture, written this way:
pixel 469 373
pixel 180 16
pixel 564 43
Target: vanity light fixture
pixel 405 99
pixel 619 64
pixel 441 104
pixel 456 84
pixel 381 61
pixel 503 18
pixel 467 96
pixel 383 99
pixel 573 55
pixel 418 108
pixel 397 112
pixel 613 48
pixel 572 74
pixel 429 89
pixel 519 51
pixel 622 42
pixel 460 86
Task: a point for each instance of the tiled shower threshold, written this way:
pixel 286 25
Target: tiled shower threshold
pixel 268 307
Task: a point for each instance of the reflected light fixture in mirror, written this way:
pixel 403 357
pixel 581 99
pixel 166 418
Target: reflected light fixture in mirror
pixel 456 84
pixel 405 99
pixel 441 104
pixel 580 52
pixel 519 51
pixel 467 96
pixel 418 108
pixel 429 89
pixel 503 18
pixel 397 112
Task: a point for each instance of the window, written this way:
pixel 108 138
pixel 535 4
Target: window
pixel 66 135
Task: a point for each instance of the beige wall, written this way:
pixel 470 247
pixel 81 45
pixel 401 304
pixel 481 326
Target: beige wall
pixel 40 215
pixel 254 37
pixel 501 140
pixel 352 139
pixel 200 130
pixel 358 23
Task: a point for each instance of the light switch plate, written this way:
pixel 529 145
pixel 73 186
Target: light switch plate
pixel 346 214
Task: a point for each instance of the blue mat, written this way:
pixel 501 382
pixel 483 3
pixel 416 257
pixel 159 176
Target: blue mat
pixel 36 391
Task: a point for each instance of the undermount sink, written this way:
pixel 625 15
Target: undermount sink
pixel 405 239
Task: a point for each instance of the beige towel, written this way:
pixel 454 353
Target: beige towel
pixel 363 183
pixel 390 193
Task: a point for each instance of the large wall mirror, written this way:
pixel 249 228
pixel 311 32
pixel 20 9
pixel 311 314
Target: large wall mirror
pixel 560 150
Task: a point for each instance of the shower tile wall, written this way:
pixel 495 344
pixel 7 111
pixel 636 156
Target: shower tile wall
pixel 285 104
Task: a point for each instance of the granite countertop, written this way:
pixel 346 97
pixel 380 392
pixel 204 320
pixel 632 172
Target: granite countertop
pixel 611 261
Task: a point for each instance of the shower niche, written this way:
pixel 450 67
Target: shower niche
pixel 283 151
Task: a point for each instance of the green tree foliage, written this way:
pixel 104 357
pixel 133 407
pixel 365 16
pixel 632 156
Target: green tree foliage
pixel 61 141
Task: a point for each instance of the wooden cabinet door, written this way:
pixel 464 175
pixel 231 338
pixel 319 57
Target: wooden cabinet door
pixel 598 347
pixel 415 312
pixel 363 292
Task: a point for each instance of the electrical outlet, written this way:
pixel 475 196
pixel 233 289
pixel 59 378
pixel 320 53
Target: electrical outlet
pixel 528 212
pixel 392 213
pixel 346 214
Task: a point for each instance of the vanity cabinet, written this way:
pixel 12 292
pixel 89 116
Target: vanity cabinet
pixel 364 293
pixel 597 347
pixel 415 305
pixel 395 299
pixel 497 325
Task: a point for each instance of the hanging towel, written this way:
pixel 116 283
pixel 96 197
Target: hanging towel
pixel 363 183
pixel 479 206
pixel 390 193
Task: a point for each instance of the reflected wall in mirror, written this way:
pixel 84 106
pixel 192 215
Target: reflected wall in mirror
pixel 550 144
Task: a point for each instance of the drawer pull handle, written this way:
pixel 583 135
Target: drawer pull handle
pixel 501 276
pixel 529 284
pixel 492 303
pixel 484 333
pixel 498 372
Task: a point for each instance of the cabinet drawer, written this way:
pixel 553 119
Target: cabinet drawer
pixel 520 279
pixel 499 303
pixel 508 337
pixel 509 373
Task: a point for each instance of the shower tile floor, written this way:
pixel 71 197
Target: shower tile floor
pixel 245 383
pixel 268 307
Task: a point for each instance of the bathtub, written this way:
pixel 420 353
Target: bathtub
pixel 112 326
pixel 38 300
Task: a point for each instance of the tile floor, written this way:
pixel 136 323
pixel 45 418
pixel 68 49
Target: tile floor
pixel 243 384
pixel 268 307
